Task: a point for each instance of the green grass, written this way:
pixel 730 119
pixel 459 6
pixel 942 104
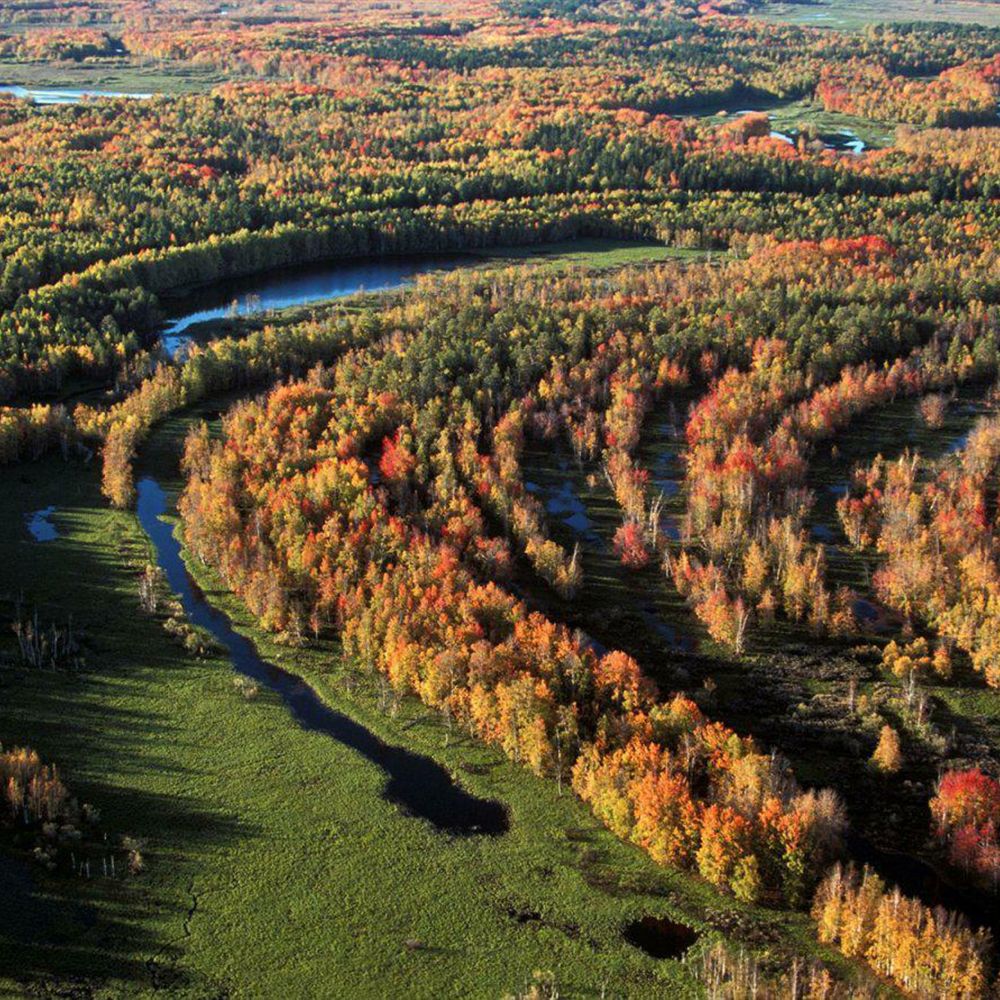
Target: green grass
pixel 116 75
pixel 790 116
pixel 275 867
pixel 853 15
pixel 593 254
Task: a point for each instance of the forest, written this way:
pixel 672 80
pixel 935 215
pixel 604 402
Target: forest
pixel 605 605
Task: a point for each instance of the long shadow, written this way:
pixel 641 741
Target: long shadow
pixel 64 934
pixel 69 935
pixel 418 784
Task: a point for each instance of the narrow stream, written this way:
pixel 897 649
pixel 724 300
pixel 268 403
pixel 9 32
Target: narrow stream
pixel 418 784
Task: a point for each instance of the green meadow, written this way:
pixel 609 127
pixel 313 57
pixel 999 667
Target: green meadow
pixel 272 858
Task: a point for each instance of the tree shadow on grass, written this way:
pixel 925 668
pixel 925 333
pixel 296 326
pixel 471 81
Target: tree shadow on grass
pixel 63 934
pixel 68 934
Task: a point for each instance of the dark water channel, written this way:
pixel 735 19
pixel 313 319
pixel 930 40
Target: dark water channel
pixel 418 784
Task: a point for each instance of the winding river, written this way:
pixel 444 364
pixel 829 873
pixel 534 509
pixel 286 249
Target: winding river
pixel 418 784
pixel 294 286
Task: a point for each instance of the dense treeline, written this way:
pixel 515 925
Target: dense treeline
pixel 963 95
pixel 435 136
pixel 30 432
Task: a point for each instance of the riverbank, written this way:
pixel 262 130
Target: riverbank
pixel 199 313
pixel 272 856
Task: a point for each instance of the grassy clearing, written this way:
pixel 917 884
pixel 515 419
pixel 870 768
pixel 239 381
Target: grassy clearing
pixel 853 15
pixel 116 75
pixel 593 253
pixel 791 116
pixel 275 867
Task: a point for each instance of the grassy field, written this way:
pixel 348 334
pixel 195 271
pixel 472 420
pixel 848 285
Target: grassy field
pixel 593 254
pixel 275 866
pixel 852 15
pixel 115 75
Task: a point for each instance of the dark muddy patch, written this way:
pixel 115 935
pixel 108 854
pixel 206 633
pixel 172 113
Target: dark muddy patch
pixel 523 915
pixel 660 937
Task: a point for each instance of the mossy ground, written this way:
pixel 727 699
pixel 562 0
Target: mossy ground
pixel 113 75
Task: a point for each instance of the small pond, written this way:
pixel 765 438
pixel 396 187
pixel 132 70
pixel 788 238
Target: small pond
pixel 660 937
pixel 40 525
pixel 563 503
pixel 43 917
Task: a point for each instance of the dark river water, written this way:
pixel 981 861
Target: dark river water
pixel 299 286
pixel 418 784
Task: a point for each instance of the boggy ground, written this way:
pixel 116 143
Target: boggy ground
pixel 791 689
pixel 273 858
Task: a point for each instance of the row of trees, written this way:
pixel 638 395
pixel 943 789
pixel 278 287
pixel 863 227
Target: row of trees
pixel 746 547
pixel 928 953
pixel 747 496
pixel 935 527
